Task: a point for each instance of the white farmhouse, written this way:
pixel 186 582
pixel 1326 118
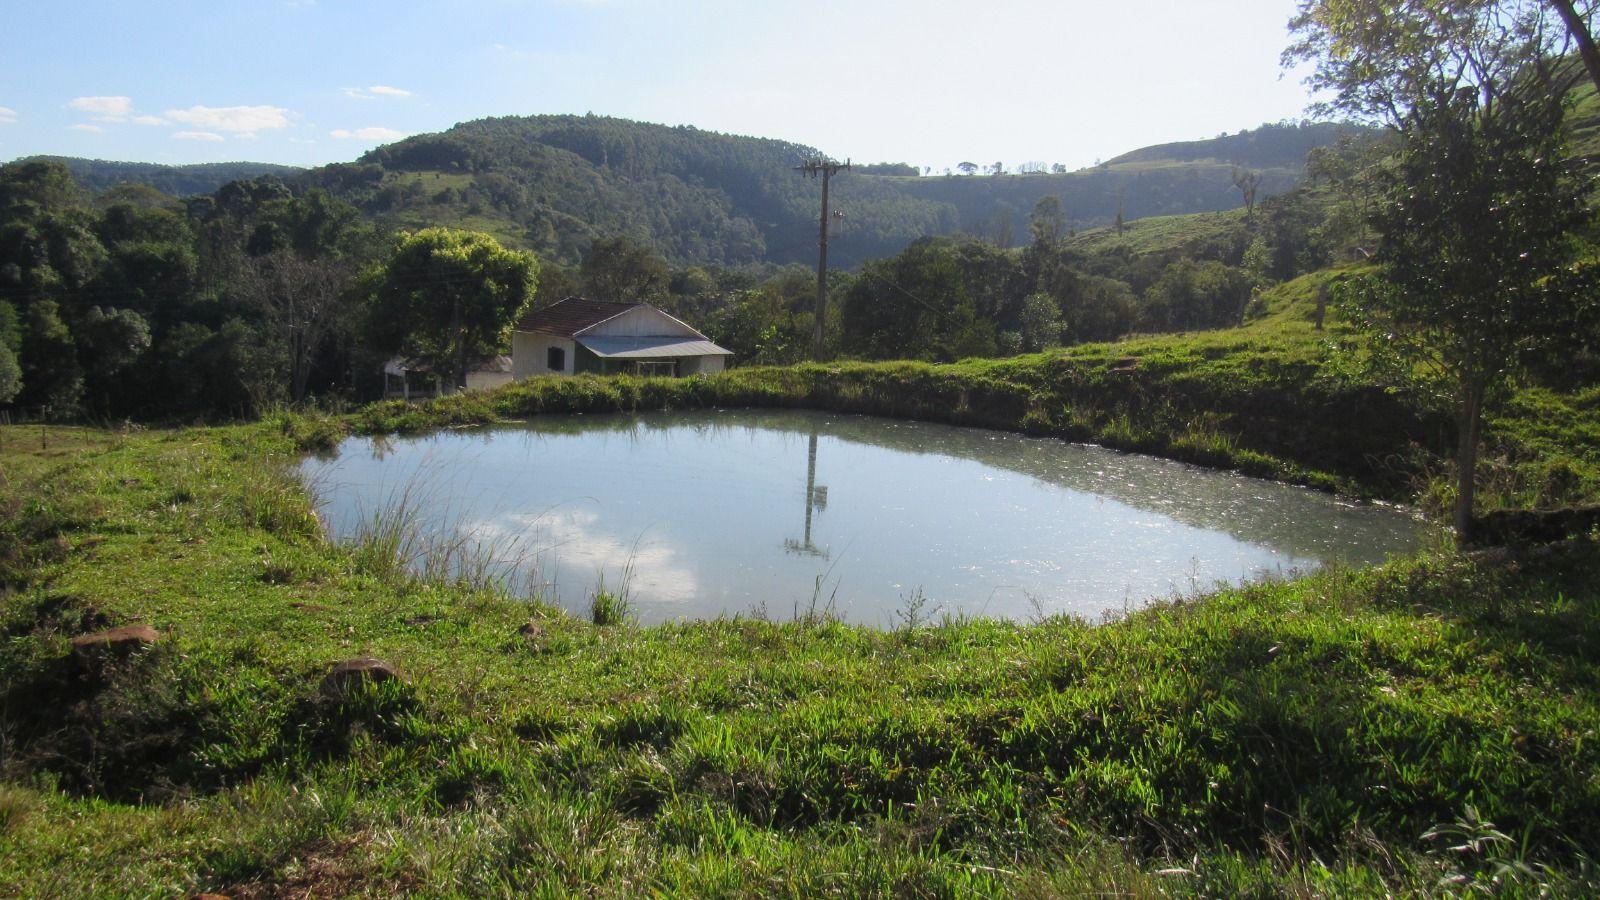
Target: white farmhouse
pixel 577 335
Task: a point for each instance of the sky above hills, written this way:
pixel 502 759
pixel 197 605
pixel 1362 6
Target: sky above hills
pixel 932 83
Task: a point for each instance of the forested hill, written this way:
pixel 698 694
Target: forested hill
pixel 1267 147
pixel 180 181
pixel 555 183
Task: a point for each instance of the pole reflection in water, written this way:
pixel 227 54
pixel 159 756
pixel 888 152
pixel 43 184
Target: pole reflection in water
pixel 816 499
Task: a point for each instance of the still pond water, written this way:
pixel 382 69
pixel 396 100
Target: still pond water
pixel 705 514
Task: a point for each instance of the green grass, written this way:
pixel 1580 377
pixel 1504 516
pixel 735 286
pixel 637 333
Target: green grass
pixel 1296 737
pixel 1160 234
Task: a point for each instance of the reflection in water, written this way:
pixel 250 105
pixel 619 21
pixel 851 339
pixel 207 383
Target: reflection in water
pixel 816 499
pixel 693 510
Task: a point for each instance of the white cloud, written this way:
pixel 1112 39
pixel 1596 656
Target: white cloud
pixel 92 129
pixel 7 115
pixel 239 120
pixel 372 133
pixel 104 109
pixel 374 92
pixel 197 136
pixel 148 120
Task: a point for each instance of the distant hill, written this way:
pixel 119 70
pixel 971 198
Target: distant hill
pixel 554 183
pixel 180 181
pixel 1268 147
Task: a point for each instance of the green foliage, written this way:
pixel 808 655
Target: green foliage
pixel 51 377
pixel 621 271
pixel 886 168
pixel 1041 323
pixel 175 310
pixel 10 343
pixel 449 298
pixel 1191 295
pixel 1477 217
pixel 914 306
pixel 1380 60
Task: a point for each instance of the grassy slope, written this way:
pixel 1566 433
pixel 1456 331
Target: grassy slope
pixel 1289 737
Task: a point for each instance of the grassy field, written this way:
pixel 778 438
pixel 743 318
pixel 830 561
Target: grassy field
pixel 1427 727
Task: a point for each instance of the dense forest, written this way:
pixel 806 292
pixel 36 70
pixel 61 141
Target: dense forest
pixel 99 175
pixel 553 184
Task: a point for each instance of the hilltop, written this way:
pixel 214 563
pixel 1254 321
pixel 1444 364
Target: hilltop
pixel 553 184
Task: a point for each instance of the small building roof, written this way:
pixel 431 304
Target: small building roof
pixel 566 318
pixel 615 347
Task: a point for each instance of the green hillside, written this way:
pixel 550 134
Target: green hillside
pixel 554 183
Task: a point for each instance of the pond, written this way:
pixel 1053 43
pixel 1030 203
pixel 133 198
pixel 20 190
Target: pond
pixel 780 513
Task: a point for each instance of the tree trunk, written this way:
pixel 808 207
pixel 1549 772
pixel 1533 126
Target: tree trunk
pixel 299 366
pixel 1581 36
pixel 1471 431
pixel 461 346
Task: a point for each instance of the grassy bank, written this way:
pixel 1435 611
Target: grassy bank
pixel 1292 736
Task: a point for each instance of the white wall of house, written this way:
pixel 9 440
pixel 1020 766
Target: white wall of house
pixel 701 365
pixel 530 351
pixel 641 322
pixel 483 381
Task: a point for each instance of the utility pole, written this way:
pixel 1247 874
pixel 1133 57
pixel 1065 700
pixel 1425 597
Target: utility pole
pixel 827 168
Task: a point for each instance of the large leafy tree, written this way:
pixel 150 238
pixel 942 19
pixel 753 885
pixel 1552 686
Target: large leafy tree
pixel 1376 59
pixel 448 297
pixel 301 305
pixel 620 270
pixel 1476 216
pixel 52 381
pixel 914 306
pixel 1477 211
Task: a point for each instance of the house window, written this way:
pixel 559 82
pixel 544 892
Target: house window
pixel 556 359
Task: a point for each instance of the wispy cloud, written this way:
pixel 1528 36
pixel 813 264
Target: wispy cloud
pixel 374 92
pixel 237 120
pixel 83 126
pixel 104 109
pixel 7 115
pixel 197 136
pixel 371 133
pixel 147 120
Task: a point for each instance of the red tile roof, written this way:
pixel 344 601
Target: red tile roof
pixel 572 315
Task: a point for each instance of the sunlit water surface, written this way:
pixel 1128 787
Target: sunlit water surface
pixel 706 514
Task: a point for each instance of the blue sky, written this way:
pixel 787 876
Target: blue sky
pixel 932 83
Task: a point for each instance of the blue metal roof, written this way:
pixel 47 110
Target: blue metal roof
pixel 618 347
